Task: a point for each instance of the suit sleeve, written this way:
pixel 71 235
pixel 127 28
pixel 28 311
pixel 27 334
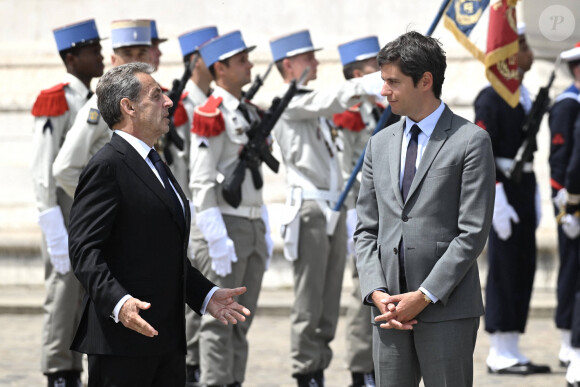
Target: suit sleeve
pixel 366 234
pixel 91 221
pixel 476 201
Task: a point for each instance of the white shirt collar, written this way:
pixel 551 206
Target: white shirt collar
pixel 428 123
pixel 140 146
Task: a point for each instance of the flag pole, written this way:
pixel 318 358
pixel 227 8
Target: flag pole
pixel 383 120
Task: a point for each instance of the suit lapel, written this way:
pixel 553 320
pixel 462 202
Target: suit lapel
pixel 135 162
pixel 395 139
pixel 436 141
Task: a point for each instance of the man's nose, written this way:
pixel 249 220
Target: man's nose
pixel 385 90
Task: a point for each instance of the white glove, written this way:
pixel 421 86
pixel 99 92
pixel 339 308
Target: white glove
pixel 51 222
pixel 561 198
pixel 267 235
pixel 570 226
pixel 221 247
pixel 372 84
pixel 350 227
pixel 503 214
pixel 222 255
pixel 538 204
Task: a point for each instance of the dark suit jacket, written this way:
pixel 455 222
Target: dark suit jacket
pixel 444 222
pixel 125 238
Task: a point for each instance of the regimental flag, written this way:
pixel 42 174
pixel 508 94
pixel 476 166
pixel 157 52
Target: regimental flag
pixel 489 33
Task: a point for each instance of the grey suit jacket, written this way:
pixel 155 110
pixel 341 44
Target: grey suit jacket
pixel 444 223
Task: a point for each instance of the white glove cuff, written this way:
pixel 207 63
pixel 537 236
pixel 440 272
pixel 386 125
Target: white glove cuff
pixel 211 224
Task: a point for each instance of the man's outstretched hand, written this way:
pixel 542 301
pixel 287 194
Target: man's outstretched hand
pixel 224 308
pixel 129 317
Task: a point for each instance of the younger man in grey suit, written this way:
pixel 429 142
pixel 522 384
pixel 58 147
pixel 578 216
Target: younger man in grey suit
pixel 424 215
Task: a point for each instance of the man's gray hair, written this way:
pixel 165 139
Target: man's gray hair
pixel 118 83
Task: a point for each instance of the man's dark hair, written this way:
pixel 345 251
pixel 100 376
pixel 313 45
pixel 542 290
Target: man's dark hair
pixel 212 69
pixel 415 54
pixel 348 69
pixel 118 83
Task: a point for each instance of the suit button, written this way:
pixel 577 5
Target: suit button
pixel 395 250
pixel 404 218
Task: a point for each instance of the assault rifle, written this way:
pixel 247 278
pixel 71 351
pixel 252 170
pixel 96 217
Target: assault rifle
pixel 172 137
pixel 257 149
pixel 531 128
pixel 258 82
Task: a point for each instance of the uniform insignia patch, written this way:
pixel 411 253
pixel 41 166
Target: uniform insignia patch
pixel 94 116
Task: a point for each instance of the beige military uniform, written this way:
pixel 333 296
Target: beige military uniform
pixel 314 182
pixel 198 246
pixel 88 134
pixel 224 349
pixel 358 316
pixel 63 291
pixel 180 166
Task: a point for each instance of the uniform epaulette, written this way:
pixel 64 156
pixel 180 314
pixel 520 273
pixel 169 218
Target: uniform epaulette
pixel 208 121
pixel 350 120
pixel 180 114
pixel 51 102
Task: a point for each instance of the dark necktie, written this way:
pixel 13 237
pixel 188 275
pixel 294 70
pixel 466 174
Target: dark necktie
pixel 408 175
pixel 160 166
pixel 89 94
pixel 244 110
pixel 410 160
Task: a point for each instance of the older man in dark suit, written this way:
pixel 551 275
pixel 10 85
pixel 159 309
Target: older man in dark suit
pixel 128 238
pixel 424 212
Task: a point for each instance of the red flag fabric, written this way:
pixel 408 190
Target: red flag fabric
pixel 502 48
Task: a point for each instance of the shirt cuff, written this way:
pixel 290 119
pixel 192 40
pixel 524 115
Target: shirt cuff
pixel 207 298
pixel 428 294
pixel 115 314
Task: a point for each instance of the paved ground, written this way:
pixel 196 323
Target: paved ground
pixel 269 353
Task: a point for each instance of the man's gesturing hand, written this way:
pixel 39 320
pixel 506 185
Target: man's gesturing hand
pixel 129 317
pixel 224 308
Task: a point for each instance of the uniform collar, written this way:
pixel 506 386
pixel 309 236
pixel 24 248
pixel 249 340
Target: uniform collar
pixel 76 84
pixel 229 101
pixel 195 91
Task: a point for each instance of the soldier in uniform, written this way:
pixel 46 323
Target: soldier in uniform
pixel 355 126
pixel 195 94
pixel 155 42
pixel 236 237
pixel 131 40
pixel 565 181
pixel 315 243
pixel 512 241
pixel 54 111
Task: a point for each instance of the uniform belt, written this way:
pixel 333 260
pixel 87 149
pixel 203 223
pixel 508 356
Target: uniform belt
pixel 319 194
pixel 243 211
pixel 504 164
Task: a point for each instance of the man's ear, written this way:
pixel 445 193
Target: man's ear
pixel 288 68
pixel 114 60
pixel 127 107
pixel 357 73
pixel 426 81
